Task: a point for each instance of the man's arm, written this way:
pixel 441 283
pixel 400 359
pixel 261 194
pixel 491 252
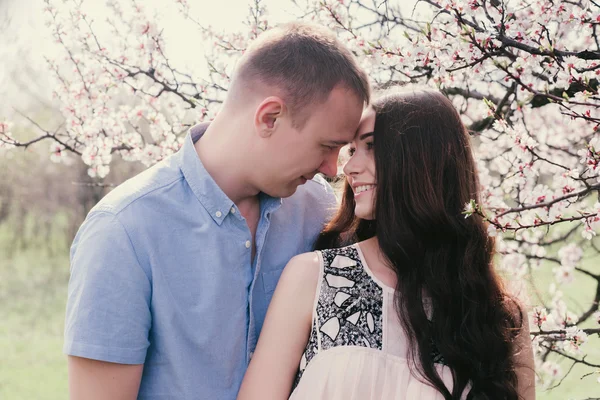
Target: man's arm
pixel 101 380
pixel 108 312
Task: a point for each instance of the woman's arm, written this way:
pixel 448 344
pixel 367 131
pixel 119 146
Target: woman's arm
pixel 524 364
pixel 285 332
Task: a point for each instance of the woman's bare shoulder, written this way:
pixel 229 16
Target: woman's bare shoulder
pixel 302 269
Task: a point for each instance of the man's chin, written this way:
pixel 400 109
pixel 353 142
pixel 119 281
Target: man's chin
pixel 289 192
pixel 282 192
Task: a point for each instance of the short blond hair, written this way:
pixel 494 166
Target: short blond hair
pixel 305 61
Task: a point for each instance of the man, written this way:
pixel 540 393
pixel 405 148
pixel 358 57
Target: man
pixel 172 272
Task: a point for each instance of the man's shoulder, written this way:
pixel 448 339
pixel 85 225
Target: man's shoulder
pixel 317 189
pixel 145 187
pixel 313 203
pixel 318 183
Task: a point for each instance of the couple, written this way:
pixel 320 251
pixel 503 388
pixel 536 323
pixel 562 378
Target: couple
pixel 173 271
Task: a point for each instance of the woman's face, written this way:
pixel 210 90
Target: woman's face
pixel 360 167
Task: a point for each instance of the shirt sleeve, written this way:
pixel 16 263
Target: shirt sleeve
pixel 108 308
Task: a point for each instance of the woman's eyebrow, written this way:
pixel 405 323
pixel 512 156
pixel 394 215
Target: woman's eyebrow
pixel 365 136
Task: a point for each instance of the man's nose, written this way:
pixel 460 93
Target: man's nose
pixel 329 165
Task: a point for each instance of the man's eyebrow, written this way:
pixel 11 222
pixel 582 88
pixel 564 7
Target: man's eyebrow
pixel 365 135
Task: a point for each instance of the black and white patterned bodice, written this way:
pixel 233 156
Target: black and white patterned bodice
pixel 349 307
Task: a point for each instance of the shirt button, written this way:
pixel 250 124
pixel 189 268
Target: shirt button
pixel 218 214
pixel 233 210
pixel 248 244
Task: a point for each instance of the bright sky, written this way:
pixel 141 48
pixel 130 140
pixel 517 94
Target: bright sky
pixel 25 40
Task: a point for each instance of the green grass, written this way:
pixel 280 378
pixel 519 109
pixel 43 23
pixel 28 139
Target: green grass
pixel 33 288
pixel 34 274
pixel 578 295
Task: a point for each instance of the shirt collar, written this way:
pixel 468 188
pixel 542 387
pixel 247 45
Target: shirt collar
pixel 206 190
pixel 210 195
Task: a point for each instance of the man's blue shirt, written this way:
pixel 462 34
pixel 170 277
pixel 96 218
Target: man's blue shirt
pixel 161 274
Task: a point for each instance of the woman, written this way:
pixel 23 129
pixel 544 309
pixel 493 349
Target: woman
pixel 413 309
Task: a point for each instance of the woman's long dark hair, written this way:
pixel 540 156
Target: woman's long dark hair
pixel 425 175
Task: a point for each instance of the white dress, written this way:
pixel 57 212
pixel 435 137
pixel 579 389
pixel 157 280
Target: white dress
pixel 357 349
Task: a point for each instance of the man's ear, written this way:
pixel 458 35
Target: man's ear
pixel 267 115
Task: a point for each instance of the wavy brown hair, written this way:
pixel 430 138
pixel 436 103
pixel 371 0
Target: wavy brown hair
pixel 425 175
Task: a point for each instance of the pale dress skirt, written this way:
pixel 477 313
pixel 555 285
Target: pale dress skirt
pixel 359 373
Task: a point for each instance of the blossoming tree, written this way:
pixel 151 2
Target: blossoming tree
pixel 523 74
